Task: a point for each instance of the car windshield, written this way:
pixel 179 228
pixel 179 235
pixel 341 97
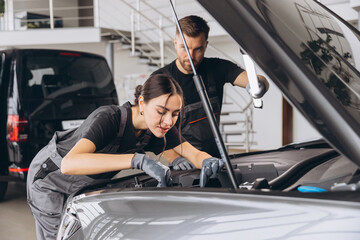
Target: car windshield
pixel 322 42
pixel 65 75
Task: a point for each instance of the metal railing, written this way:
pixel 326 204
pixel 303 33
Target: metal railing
pixel 136 9
pixel 21 15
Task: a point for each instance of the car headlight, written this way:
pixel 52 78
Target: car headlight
pixel 69 225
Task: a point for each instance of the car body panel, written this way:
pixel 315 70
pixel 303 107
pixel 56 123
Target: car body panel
pixel 4 74
pixel 213 215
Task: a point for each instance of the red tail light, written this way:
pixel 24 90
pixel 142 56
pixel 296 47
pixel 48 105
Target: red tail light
pixel 17 128
pixel 18 170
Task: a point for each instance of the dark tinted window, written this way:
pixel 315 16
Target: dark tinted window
pixel 2 59
pixel 326 45
pixel 65 75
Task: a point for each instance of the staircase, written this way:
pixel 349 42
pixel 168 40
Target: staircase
pixel 145 52
pixel 236 120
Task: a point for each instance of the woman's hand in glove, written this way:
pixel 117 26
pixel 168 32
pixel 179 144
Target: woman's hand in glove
pixel 181 163
pixel 210 167
pixel 152 167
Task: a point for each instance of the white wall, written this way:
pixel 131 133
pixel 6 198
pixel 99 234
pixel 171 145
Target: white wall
pixel 302 129
pixel 128 73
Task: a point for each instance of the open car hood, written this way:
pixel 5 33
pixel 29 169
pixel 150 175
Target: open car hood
pixel 312 55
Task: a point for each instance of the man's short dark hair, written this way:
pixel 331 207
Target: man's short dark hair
pixel 193 26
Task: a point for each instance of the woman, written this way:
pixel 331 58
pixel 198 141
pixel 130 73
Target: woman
pixel 112 138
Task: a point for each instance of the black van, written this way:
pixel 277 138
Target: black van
pixel 43 91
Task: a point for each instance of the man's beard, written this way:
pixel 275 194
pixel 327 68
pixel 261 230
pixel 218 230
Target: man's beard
pixel 188 67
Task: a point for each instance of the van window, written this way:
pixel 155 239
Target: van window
pixel 65 75
pixel 2 60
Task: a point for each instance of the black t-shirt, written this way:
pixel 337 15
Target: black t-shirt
pixel 214 72
pixel 195 126
pixel 102 127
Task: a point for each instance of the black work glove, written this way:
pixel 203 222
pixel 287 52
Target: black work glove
pixel 152 168
pixel 262 89
pixel 181 163
pixel 210 167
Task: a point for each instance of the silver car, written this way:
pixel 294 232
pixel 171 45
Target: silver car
pixel 308 190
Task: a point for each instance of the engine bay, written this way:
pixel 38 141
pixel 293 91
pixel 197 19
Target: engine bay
pixel 307 169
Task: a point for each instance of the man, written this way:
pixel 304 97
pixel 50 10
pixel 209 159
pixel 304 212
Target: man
pixel 215 73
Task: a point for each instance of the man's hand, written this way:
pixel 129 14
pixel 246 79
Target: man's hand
pixel 181 163
pixel 263 87
pixel 210 167
pixel 152 167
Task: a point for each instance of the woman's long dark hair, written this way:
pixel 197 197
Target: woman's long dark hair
pixel 157 85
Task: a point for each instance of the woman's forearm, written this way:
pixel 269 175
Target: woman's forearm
pixel 94 163
pixel 81 160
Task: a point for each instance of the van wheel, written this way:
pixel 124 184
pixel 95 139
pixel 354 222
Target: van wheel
pixel 3 187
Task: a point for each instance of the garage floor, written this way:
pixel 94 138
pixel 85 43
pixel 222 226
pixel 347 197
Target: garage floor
pixel 16 221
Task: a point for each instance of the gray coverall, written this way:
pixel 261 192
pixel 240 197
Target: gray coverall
pixel 48 188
